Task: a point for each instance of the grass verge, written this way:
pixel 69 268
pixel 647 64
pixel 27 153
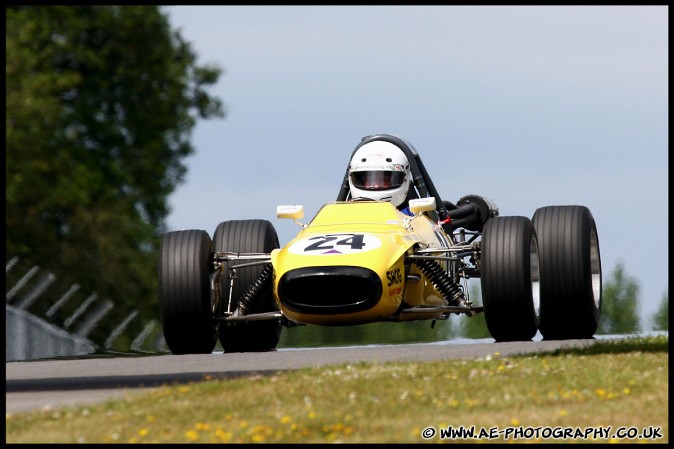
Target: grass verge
pixel 609 392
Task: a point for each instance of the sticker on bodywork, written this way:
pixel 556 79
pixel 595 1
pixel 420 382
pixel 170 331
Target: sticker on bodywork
pixel 335 244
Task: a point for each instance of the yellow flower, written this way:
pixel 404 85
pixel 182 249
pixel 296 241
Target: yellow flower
pixel 202 426
pixel 192 435
pixel 143 432
pixel 222 435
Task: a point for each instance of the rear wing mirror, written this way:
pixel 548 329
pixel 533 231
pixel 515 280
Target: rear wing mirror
pixel 291 211
pixel 419 205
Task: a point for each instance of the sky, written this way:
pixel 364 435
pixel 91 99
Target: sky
pixel 530 106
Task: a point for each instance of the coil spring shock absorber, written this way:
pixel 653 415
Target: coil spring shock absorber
pixel 440 278
pixel 254 292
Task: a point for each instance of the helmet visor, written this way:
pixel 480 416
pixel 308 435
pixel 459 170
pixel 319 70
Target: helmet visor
pixel 377 180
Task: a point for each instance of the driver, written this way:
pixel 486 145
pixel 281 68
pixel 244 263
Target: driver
pixel 380 171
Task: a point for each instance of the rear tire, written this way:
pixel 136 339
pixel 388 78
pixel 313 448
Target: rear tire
pixel 510 278
pixel 247 236
pixel 184 292
pixel 570 272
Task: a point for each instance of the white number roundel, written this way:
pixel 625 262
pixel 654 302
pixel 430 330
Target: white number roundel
pixel 335 244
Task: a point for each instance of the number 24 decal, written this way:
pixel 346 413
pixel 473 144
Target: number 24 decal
pixel 331 244
pixel 328 242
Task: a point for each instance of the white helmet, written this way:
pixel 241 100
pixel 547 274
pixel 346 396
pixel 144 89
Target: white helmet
pixel 380 171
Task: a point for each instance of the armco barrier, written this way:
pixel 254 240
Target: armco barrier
pixel 29 337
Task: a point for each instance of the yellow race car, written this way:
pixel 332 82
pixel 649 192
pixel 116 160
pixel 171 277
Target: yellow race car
pixel 359 262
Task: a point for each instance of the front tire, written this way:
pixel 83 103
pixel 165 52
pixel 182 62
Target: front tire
pixel 570 272
pixel 510 278
pixel 184 292
pixel 247 236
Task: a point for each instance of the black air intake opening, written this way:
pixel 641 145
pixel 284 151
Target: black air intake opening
pixel 330 290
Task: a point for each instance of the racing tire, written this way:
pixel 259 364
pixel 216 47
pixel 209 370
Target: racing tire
pixel 510 278
pixel 247 236
pixel 184 292
pixel 571 279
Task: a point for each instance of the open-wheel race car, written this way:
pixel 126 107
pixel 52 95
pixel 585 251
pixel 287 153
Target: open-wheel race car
pixel 361 261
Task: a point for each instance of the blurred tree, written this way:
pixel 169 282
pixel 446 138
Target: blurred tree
pixel 620 298
pixel 661 317
pixel 100 104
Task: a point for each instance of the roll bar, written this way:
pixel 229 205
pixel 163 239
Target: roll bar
pixel 420 179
